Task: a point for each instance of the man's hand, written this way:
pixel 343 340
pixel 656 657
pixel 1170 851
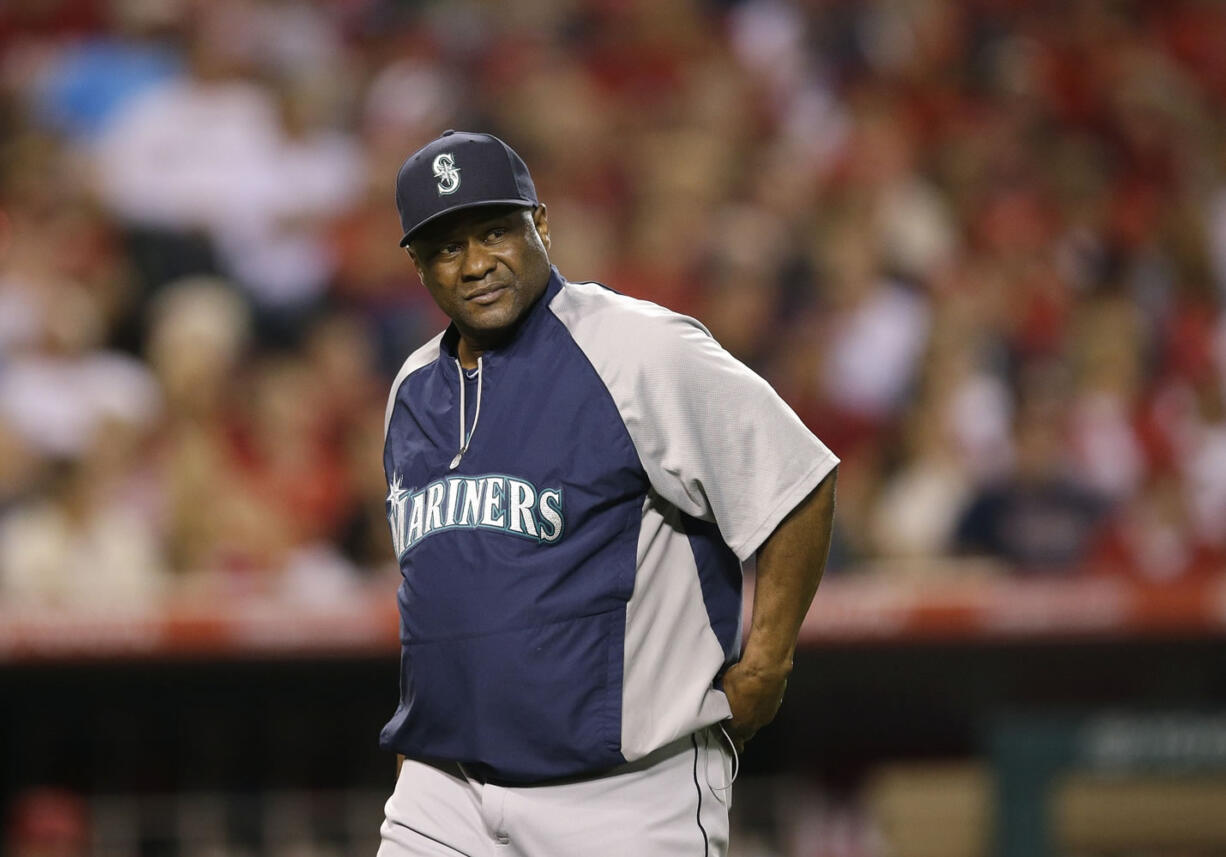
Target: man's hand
pixel 754 695
pixel 790 565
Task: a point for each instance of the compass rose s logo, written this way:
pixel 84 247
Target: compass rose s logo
pixel 447 173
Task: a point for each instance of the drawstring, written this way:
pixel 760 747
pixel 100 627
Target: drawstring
pixel 736 759
pixel 466 438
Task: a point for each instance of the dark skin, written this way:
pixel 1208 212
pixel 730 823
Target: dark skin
pixel 790 564
pixel 485 268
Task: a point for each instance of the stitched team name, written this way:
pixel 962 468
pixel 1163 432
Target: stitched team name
pixel 492 502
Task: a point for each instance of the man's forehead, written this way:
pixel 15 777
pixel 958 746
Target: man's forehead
pixel 466 221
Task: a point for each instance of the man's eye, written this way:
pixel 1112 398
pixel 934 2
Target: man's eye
pixel 495 233
pixel 449 249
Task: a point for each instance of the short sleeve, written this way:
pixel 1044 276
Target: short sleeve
pixel 715 439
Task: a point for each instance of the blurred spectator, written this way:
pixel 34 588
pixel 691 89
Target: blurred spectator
pixel 199 332
pixel 364 535
pixel 219 162
pixel 918 507
pixel 58 393
pixel 1106 449
pixel 743 299
pixel 964 377
pixel 1039 519
pixel 191 153
pixel 54 241
pixel 373 282
pixel 1202 452
pixel 1151 538
pixel 894 210
pixel 285 453
pixel 92 79
pixel 21 469
pixel 79 546
pixel 276 242
pixel 406 101
pixel 877 331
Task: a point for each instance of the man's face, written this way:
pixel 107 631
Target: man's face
pixel 484 267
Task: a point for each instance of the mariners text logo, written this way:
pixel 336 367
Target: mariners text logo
pixel 494 502
pixel 447 173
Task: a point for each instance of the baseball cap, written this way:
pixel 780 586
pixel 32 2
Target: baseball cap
pixel 456 171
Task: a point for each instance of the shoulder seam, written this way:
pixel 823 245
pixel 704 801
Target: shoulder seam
pixel 412 363
pixel 591 367
pixel 640 307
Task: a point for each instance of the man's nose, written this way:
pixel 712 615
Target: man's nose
pixel 478 261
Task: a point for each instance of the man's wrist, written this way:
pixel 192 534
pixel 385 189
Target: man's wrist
pixel 767 664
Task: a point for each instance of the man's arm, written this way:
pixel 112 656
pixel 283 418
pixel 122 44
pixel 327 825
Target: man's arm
pixel 790 564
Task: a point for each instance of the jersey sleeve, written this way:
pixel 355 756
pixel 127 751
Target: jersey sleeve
pixel 714 438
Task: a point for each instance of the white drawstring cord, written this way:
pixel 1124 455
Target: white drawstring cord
pixel 463 408
pixel 736 759
pixel 466 438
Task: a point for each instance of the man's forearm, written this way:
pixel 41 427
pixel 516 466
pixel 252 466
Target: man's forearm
pixel 790 565
pixel 789 568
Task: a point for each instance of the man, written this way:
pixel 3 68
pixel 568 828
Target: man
pixel 575 478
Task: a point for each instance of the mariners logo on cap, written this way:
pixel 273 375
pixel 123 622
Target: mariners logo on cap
pixel 447 173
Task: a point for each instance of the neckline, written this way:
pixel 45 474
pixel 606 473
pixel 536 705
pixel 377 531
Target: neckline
pixel 451 336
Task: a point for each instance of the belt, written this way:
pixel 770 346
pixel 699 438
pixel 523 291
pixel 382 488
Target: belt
pixel 481 773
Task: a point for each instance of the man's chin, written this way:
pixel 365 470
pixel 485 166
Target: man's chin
pixel 489 327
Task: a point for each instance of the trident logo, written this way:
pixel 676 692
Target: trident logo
pixel 447 173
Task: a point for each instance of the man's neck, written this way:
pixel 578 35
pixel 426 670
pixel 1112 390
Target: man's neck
pixel 470 347
pixel 469 353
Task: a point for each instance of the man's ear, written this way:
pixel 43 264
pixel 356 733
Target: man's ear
pixel 416 263
pixel 540 219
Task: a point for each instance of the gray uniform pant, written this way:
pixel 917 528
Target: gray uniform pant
pixel 672 802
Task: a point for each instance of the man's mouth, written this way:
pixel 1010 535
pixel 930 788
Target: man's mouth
pixel 487 296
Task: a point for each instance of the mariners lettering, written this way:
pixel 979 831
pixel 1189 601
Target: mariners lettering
pixel 501 503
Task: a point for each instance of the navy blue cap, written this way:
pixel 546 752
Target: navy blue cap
pixel 456 171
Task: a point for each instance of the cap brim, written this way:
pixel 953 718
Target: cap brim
pixel 522 203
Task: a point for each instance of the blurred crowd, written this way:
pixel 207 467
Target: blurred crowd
pixel 979 246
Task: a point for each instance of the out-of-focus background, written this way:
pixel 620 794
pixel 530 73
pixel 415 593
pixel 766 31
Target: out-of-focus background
pixel 980 247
